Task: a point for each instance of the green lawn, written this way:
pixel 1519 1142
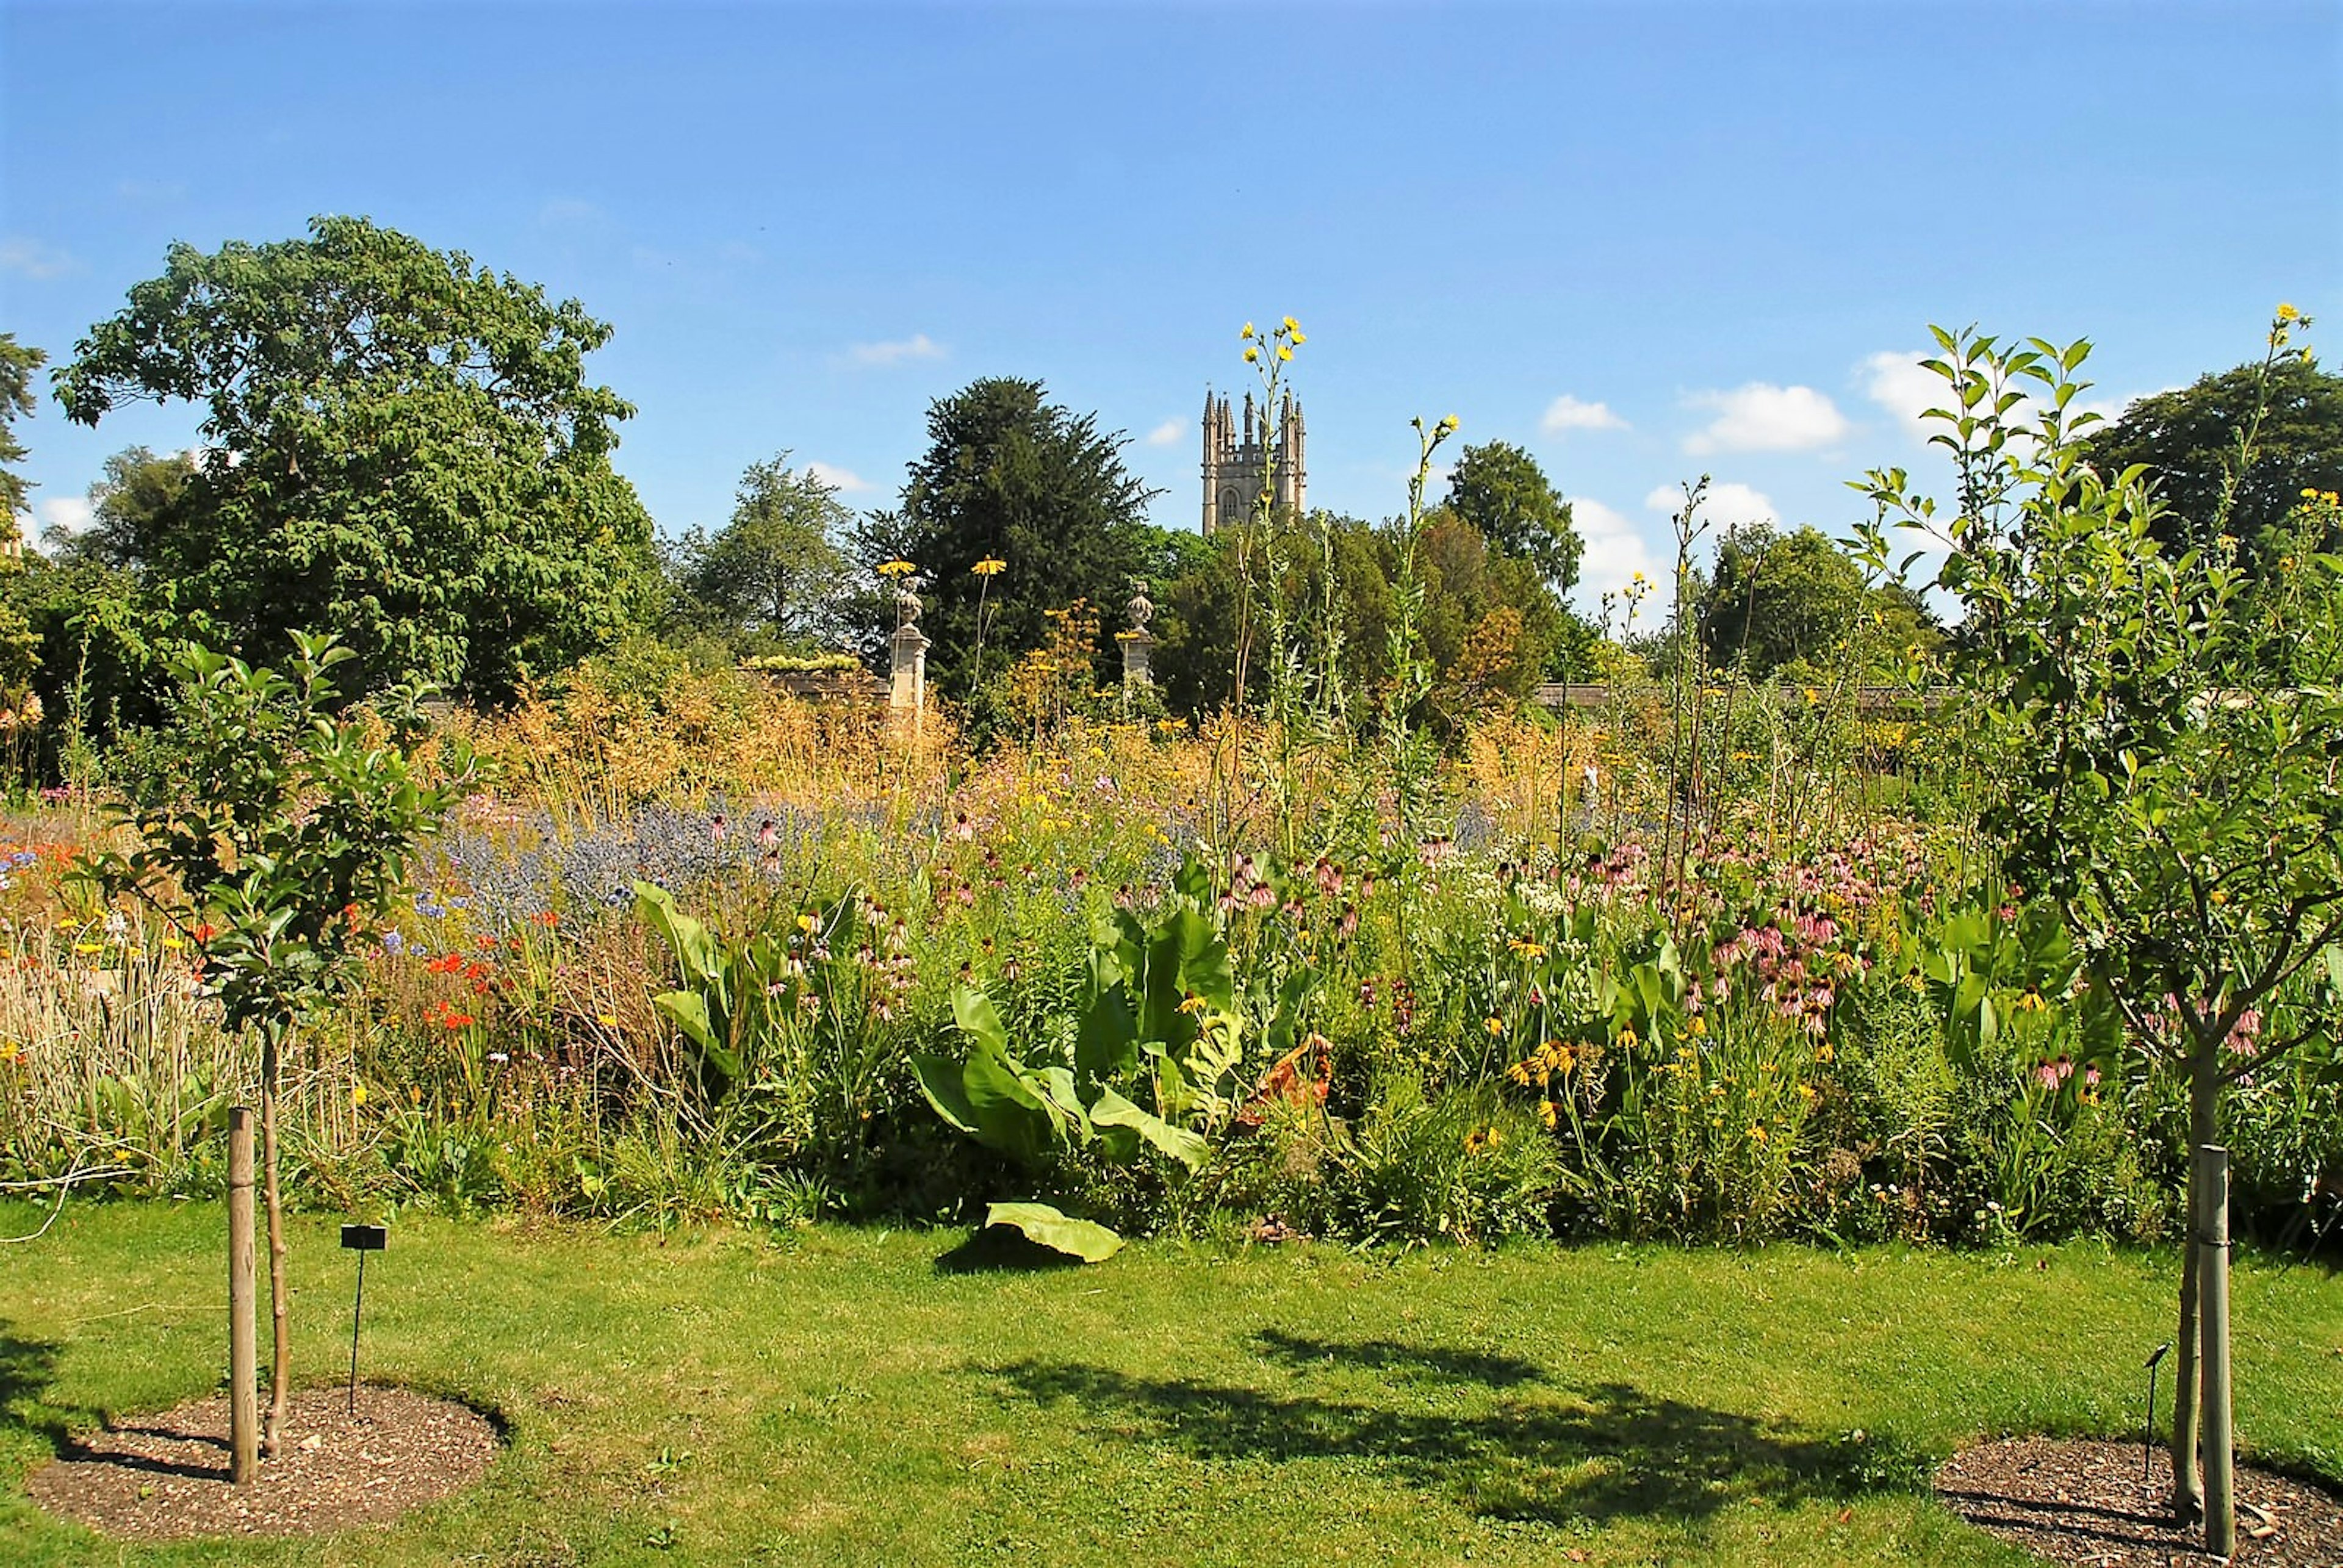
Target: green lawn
pixel 861 1398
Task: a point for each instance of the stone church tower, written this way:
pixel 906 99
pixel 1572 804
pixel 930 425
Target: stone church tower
pixel 1234 461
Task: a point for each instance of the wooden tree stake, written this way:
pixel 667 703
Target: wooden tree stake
pixel 243 1348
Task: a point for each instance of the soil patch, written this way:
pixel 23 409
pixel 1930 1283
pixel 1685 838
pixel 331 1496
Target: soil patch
pixel 2087 1502
pixel 166 1477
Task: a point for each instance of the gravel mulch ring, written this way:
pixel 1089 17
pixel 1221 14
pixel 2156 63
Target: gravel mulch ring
pixel 166 1477
pixel 2085 1502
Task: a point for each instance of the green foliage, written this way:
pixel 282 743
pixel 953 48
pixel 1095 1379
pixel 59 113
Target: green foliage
pixel 1011 477
pixel 1491 627
pixel 2187 440
pixel 283 831
pixel 773 575
pixel 2116 678
pixel 136 507
pixel 726 1000
pixel 1461 1165
pixel 1156 1036
pixel 1774 599
pixel 1501 493
pixel 400 444
pixel 18 361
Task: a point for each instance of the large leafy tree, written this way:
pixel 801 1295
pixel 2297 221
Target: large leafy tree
pixel 398 444
pixel 139 502
pixel 1775 599
pixel 1490 624
pixel 772 576
pixel 1009 476
pixel 2187 441
pixel 1500 490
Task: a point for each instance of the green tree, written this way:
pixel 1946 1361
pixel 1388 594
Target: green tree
pixel 1491 625
pixel 136 509
pixel 276 839
pixel 2159 738
pixel 1196 613
pixel 1773 598
pixel 772 576
pixel 2187 441
pixel 17 363
pixel 1500 490
pixel 1009 476
pixel 20 709
pixel 400 444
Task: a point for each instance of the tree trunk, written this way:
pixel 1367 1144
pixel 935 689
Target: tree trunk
pixel 2188 1476
pixel 2187 1493
pixel 2213 1298
pixel 280 1360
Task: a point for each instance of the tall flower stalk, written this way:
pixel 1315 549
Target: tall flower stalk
pixel 1407 750
pixel 985 570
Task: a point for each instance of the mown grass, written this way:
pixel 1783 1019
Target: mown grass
pixel 871 1397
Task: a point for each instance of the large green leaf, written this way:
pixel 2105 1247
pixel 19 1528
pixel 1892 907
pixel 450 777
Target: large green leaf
pixel 698 954
pixel 1106 1044
pixel 1084 1239
pixel 974 1012
pixel 1112 1110
pixel 1008 1109
pixel 1009 1112
pixel 939 1080
pixel 1184 959
pixel 690 1011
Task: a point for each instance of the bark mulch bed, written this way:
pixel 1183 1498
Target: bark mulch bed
pixel 2085 1502
pixel 166 1477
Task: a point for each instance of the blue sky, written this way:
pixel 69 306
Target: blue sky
pixel 1644 241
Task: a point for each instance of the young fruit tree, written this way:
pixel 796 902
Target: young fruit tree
pixel 274 839
pixel 2162 733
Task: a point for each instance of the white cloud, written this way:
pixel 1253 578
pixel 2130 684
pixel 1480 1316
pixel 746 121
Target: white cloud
pixel 1897 383
pixel 1567 413
pixel 844 480
pixel 1764 417
pixel 1168 434
pixel 64 514
pixel 1724 505
pixel 919 345
pixel 1612 551
pixel 31 258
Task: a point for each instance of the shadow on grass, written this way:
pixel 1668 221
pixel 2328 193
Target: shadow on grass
pixel 1554 1456
pixel 27 1366
pixel 1392 1358
pixel 1003 1250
